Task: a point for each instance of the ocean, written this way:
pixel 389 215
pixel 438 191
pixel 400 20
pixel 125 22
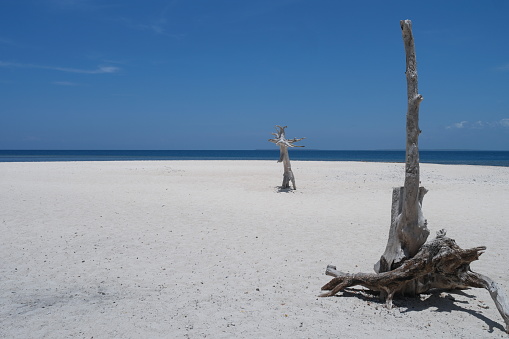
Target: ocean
pixel 484 158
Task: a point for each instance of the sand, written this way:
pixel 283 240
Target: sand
pixel 192 249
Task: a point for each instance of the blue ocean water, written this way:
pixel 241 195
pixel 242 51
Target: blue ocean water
pixel 485 158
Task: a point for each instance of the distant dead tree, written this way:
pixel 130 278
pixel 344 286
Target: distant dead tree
pixel 409 265
pixel 283 144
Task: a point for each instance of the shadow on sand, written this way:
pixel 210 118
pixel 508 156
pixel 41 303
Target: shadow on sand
pixel 442 300
pixel 280 189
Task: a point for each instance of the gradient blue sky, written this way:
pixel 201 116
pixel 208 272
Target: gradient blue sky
pixel 219 74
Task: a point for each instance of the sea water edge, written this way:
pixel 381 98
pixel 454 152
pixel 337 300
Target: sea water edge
pixel 482 158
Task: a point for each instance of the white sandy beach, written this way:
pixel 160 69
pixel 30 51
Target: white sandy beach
pixel 192 249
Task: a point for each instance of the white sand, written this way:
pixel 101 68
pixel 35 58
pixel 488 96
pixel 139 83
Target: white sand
pixel 176 249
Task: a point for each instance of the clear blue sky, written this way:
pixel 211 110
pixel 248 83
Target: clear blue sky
pixel 219 74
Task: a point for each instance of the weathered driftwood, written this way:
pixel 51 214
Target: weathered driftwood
pixel 408 231
pixel 283 144
pixel 440 263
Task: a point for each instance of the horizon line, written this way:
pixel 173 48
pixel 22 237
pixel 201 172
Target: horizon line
pixel 266 149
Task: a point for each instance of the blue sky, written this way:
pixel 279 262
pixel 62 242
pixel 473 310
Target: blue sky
pixel 219 74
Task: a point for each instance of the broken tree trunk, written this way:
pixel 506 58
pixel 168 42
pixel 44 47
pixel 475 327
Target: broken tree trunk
pixel 440 263
pixel 283 144
pixel 408 231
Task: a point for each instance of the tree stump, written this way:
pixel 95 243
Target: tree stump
pixel 283 144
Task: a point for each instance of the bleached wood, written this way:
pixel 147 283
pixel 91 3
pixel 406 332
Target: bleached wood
pixel 498 296
pixel 408 231
pixel 283 144
pixel 440 263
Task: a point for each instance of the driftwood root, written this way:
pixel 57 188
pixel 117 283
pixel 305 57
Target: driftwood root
pixel 439 264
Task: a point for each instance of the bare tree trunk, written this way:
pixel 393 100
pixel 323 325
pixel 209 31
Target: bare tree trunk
pixel 408 231
pixel 284 157
pixel 288 174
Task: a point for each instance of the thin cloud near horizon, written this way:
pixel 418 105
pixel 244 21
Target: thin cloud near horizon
pixel 479 124
pixel 98 70
pixel 65 83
